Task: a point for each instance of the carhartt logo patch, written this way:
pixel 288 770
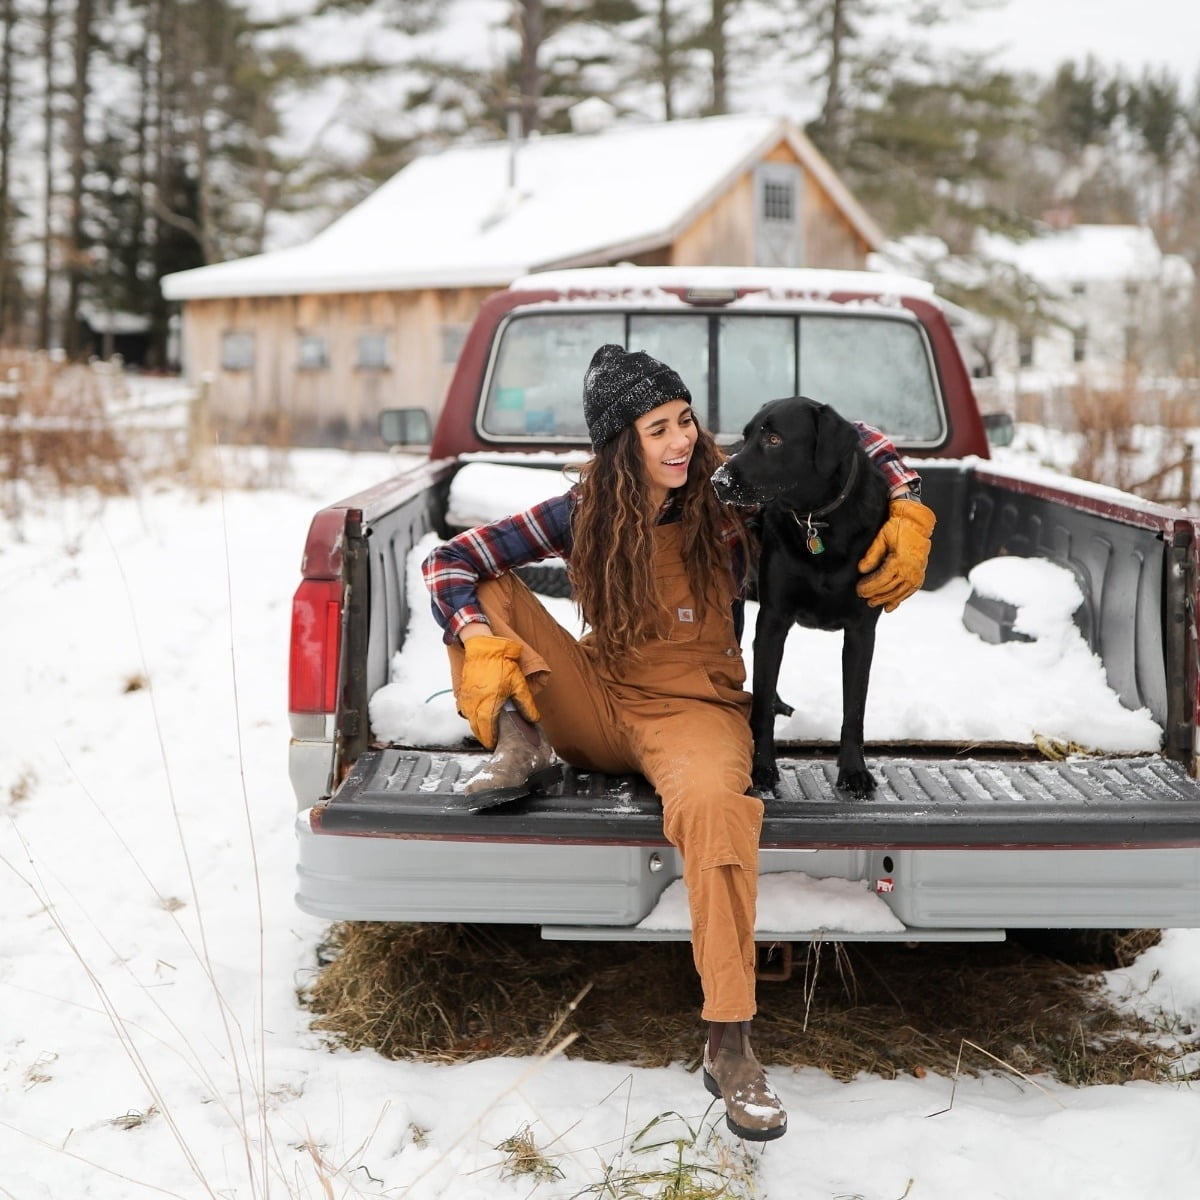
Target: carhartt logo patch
pixel 686 614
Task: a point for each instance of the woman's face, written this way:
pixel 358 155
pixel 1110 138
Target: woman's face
pixel 666 435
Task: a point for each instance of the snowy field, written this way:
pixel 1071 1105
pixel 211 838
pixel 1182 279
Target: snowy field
pixel 151 1043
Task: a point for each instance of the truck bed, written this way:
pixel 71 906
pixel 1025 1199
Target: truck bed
pixel 958 842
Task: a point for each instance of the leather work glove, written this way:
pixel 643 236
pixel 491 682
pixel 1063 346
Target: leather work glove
pixel 894 564
pixel 490 675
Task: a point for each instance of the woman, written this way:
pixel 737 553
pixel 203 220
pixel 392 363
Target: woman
pixel 657 566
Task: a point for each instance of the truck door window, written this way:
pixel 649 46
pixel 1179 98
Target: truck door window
pixel 873 369
pixel 536 383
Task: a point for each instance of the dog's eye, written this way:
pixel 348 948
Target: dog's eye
pixel 773 439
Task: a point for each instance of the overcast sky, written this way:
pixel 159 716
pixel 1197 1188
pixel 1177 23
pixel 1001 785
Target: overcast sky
pixel 1040 34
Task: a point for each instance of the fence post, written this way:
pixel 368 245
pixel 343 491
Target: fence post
pixel 199 431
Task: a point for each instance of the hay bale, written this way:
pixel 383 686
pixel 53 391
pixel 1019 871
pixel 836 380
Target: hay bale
pixel 458 992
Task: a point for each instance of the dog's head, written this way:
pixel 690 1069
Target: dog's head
pixel 792 451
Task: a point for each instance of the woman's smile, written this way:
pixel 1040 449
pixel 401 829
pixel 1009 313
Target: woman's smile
pixel 667 434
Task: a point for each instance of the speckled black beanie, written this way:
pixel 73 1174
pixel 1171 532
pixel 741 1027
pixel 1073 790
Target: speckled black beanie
pixel 619 386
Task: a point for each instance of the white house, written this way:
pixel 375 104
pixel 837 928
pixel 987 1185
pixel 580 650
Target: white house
pixel 1117 303
pixel 1110 302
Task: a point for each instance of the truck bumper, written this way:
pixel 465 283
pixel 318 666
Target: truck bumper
pixel 355 878
pixel 602 891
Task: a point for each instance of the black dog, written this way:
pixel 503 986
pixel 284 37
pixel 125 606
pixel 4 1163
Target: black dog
pixel 823 501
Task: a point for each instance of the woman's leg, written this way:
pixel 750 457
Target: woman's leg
pixel 698 759
pixel 574 705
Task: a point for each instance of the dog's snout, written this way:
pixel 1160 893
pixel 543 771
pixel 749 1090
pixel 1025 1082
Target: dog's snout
pixel 723 483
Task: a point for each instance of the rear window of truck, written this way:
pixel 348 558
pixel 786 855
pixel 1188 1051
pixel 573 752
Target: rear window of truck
pixel 871 367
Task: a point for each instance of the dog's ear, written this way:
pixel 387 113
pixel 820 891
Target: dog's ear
pixel 835 441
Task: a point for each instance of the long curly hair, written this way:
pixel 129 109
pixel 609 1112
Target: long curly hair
pixel 612 563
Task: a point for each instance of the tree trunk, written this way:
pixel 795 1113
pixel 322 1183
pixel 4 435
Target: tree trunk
pixel 666 59
pixel 532 29
pixel 8 16
pixel 76 250
pixel 719 47
pixel 48 127
pixel 833 109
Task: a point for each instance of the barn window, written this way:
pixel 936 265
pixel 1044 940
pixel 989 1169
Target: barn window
pixel 453 337
pixel 312 352
pixel 778 200
pixel 237 351
pixel 372 351
pixel 1079 344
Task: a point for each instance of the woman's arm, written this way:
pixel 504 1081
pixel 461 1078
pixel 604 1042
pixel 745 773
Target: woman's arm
pixel 894 564
pixel 453 570
pixel 886 457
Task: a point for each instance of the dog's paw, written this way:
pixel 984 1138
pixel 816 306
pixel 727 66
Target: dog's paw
pixel 764 777
pixel 858 781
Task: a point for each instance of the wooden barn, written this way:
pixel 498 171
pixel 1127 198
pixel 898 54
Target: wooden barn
pixel 309 343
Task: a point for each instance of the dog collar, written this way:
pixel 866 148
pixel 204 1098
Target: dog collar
pixel 809 523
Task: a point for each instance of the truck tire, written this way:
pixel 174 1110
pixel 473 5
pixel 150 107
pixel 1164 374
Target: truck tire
pixel 546 580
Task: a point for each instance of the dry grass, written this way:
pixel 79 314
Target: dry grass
pixel 522 1158
pixel 55 434
pixel 1137 439
pixel 452 993
pixel 80 430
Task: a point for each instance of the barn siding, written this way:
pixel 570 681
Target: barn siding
pixel 337 404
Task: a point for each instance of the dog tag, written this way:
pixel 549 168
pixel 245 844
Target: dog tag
pixel 814 544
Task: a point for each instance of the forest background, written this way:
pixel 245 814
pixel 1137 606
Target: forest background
pixel 140 137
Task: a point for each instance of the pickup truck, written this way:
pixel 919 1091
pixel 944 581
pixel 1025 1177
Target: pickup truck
pixel 960 842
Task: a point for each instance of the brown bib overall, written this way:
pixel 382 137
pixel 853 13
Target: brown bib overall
pixel 678 715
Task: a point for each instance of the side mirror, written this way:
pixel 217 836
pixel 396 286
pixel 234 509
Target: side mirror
pixel 999 428
pixel 405 427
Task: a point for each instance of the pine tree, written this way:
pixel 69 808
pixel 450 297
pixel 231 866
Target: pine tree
pixel 1155 112
pixel 930 152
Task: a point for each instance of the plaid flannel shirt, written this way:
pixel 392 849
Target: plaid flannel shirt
pixel 453 571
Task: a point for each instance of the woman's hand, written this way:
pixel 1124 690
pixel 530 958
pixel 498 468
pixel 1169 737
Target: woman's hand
pixel 490 676
pixel 895 562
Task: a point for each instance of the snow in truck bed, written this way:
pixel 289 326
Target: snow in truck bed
pixel 932 679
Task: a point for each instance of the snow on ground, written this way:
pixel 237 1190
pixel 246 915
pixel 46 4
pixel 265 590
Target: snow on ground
pixel 151 1043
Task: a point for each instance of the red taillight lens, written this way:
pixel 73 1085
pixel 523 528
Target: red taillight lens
pixel 316 646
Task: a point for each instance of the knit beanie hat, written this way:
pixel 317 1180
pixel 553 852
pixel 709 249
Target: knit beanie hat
pixel 619 386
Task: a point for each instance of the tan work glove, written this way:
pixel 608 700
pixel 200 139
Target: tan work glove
pixel 490 675
pixel 894 564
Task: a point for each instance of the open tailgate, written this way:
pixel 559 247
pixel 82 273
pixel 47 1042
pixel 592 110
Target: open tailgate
pixel 1085 802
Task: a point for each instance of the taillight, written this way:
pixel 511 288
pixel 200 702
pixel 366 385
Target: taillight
pixel 316 646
